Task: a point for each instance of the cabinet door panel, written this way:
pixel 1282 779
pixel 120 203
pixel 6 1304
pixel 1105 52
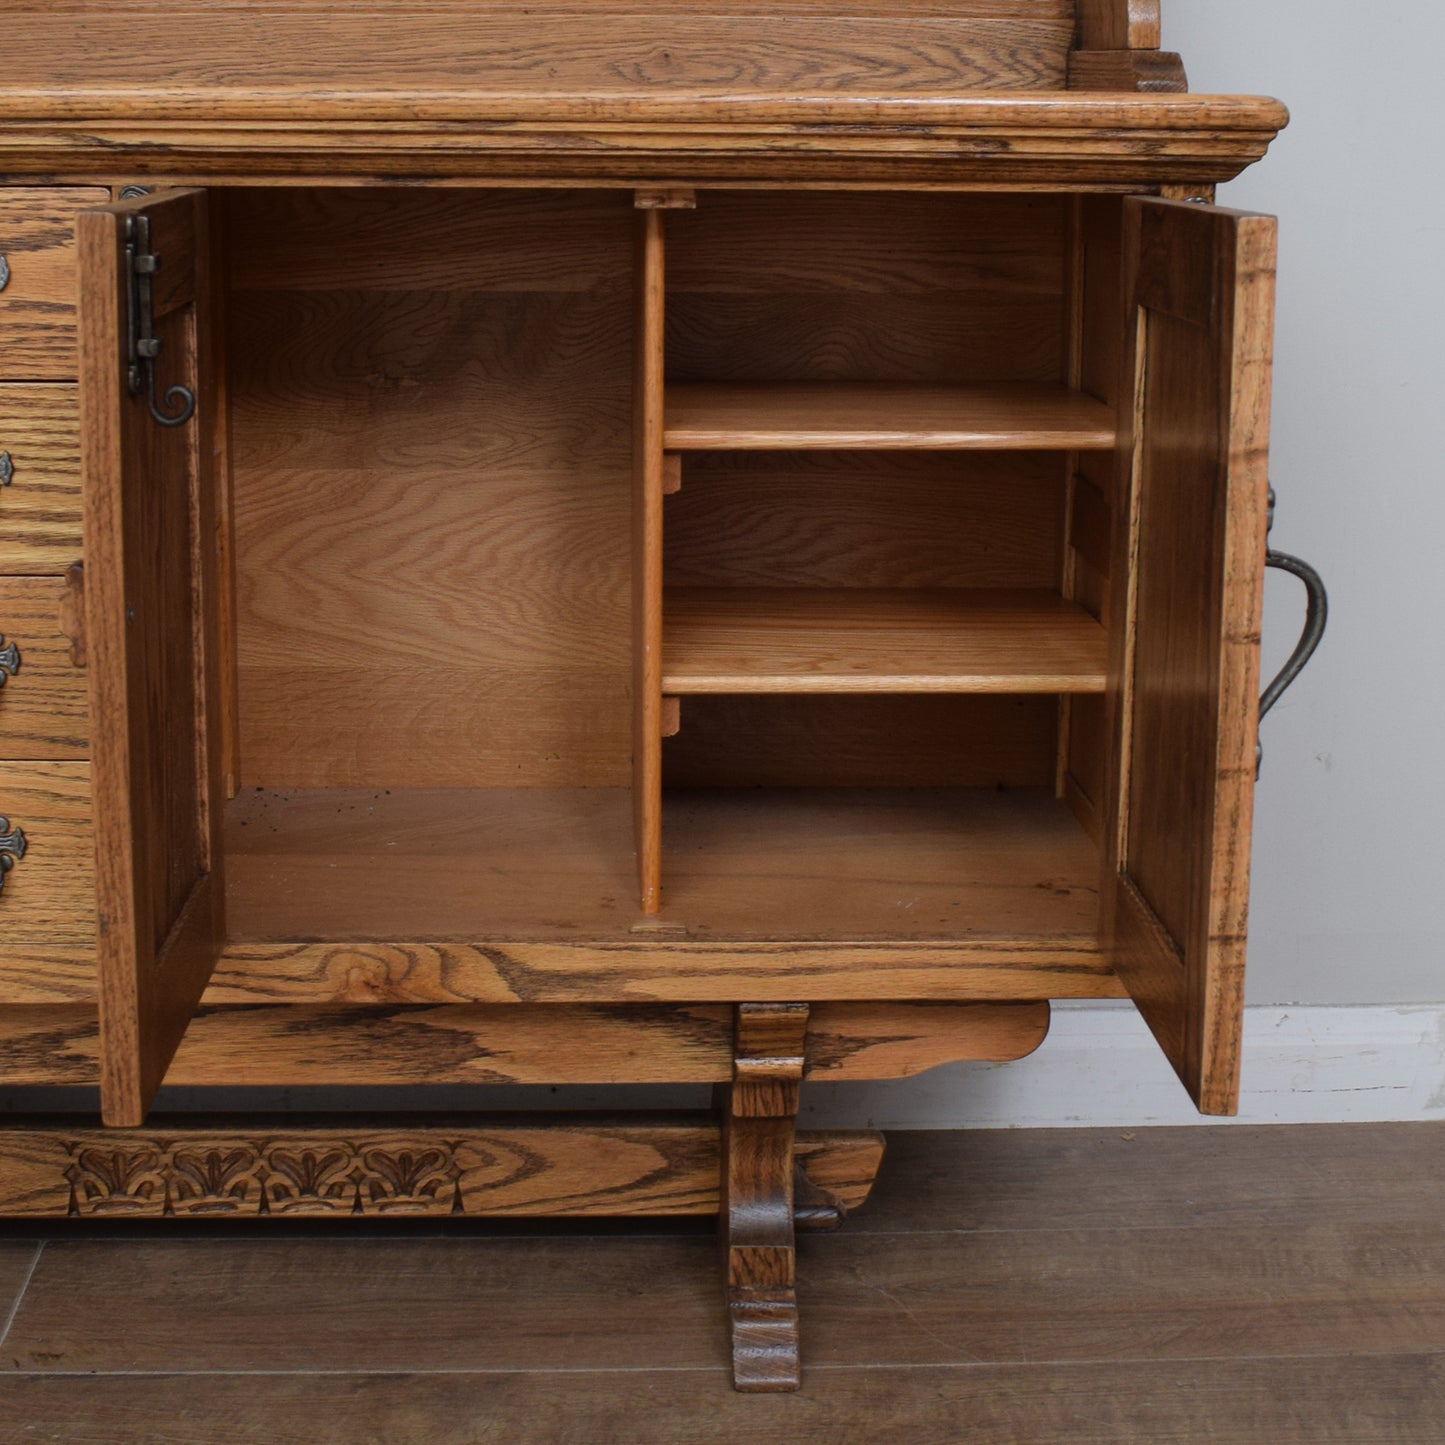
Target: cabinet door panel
pixel 151 647
pixel 1184 671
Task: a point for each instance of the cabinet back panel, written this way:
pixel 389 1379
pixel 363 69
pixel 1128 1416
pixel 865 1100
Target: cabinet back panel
pixel 767 286
pixel 866 519
pixel 858 287
pixel 431 471
pixel 863 742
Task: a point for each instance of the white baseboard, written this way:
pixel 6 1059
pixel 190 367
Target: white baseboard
pixel 1100 1067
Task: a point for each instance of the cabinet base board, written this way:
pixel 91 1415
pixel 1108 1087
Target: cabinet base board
pixel 517 1168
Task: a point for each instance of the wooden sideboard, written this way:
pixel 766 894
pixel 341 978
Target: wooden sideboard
pixel 586 544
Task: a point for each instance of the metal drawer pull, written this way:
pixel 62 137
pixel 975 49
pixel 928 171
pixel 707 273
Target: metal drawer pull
pixel 4 272
pixel 12 849
pixel 1317 612
pixel 7 469
pixel 9 660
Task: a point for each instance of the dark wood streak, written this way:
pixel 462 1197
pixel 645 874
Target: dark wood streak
pixel 274 1169
pixel 310 1046
pixel 638 971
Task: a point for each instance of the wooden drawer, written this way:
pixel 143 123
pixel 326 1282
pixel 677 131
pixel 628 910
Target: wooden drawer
pixel 43 708
pixel 47 904
pixel 37 302
pixel 40 456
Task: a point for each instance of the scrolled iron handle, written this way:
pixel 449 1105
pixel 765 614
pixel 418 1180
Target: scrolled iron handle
pixel 1317 613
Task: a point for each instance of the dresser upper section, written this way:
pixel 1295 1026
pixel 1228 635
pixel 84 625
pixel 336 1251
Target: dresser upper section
pixel 975 92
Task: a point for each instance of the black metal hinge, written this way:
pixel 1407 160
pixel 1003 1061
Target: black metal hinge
pixel 141 265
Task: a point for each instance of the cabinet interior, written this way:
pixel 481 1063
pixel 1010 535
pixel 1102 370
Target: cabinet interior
pixel 891 429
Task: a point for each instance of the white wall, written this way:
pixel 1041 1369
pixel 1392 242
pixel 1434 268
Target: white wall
pixel 1349 899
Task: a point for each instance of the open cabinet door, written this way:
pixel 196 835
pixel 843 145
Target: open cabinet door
pixel 151 623
pixel 1184 666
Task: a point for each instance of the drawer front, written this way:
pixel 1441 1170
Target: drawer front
pixel 37 301
pixel 42 680
pixel 39 477
pixel 47 903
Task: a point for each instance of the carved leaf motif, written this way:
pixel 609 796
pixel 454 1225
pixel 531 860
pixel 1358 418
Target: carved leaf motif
pixel 214 1181
pixel 407 1181
pixel 117 1181
pixel 230 1175
pixel 314 1180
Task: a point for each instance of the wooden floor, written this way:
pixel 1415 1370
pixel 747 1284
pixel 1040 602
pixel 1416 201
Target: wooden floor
pixel 1189 1285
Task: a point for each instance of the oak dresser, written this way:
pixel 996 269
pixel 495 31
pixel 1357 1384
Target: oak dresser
pixel 592 543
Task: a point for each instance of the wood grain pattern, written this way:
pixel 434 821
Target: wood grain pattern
pixel 791 640
pixel 876 519
pixel 182 1168
pixel 503 52
pixel 1251 1176
pixel 1059 965
pixel 873 415
pixel 839 740
pixel 1099 482
pixel 822 243
pixel 154 676
pixel 1400 1398
pixel 1097 1298
pixel 755 1217
pixel 1155 72
pixel 44 706
pixel 389 239
pixel 852 1040
pixel 37 304
pixel 47 906
pixel 649 480
pixel 779 338
pixel 1184 667
pixel 329 1046
pixel 1118 24
pixel 1115 141
pixel 40 508
pixel 431 484
pixel 490 866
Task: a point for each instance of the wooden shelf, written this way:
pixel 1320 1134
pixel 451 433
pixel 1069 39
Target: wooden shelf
pixel 496 866
pixel 797 640
pixel 848 416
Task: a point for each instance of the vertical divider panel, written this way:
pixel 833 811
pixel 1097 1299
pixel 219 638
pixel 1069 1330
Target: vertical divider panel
pixel 647 560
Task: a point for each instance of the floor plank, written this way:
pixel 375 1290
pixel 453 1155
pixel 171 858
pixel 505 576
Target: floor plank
pixel 1324 1401
pixel 943 1298
pixel 17 1260
pixel 1207 1177
pixel 1279 1286
pixel 332 1303
pixel 1074 1295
